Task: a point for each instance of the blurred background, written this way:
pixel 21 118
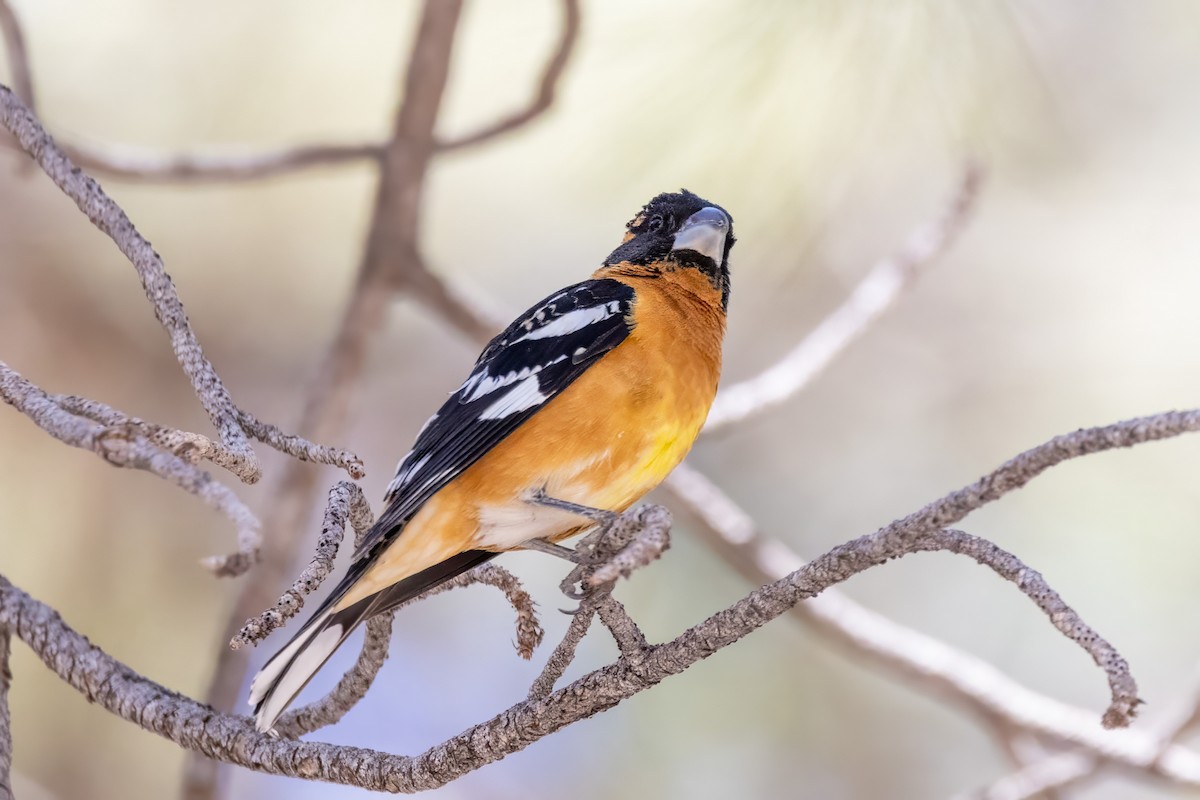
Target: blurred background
pixel 830 130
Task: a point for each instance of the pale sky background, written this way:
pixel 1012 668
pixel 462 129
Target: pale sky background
pixel 829 130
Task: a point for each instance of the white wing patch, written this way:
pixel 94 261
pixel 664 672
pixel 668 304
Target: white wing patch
pixel 403 473
pixel 573 321
pixel 525 395
pixel 481 383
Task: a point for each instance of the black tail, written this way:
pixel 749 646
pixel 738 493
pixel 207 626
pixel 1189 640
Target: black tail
pixel 290 670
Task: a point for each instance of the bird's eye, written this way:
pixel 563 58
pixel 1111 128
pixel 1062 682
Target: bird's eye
pixel 655 224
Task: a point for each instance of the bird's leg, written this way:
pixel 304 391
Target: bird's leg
pixel 598 515
pixel 552 549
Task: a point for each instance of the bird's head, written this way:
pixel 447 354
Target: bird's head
pixel 680 230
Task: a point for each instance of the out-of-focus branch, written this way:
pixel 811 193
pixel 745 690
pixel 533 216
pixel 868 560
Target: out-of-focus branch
pixel 1039 777
pixel 878 291
pixel 543 98
pixel 6 738
pixel 140 167
pixel 130 443
pixel 196 168
pixel 18 56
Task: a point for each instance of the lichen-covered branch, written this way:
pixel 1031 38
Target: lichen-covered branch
pixel 235 454
pixel 108 217
pixel 127 442
pixel 1062 616
pixel 234 740
pixel 876 293
pixel 346 502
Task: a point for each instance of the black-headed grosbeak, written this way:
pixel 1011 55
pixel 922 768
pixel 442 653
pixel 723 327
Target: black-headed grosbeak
pixel 591 397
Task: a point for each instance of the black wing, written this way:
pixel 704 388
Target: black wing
pixel 538 356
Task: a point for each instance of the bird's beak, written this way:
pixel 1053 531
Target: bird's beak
pixel 704 232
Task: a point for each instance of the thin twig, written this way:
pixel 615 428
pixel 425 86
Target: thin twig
pixel 1062 616
pixel 564 653
pixel 204 168
pixel 18 55
pixel 140 167
pixel 127 446
pixel 300 448
pixel 883 285
pixel 543 98
pixel 346 501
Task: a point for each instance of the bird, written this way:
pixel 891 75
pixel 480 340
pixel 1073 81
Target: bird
pixel 584 403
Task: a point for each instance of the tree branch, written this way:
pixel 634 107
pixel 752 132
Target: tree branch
pixel 108 217
pixel 542 99
pixel 235 455
pixel 885 283
pixel 128 442
pixel 18 55
pixel 131 165
pixel 234 740
pixel 206 168
pixel 346 502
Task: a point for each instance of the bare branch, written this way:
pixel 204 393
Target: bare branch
pixel 878 291
pixel 139 167
pixel 233 739
pixel 928 662
pixel 1024 749
pixel 1031 583
pixel 300 448
pixel 625 632
pixel 6 737
pixel 1043 776
pixel 354 684
pixel 18 55
pixel 543 99
pixel 126 442
pixel 350 689
pixel 563 655
pixel 346 501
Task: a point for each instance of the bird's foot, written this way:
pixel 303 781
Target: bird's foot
pixel 628 541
